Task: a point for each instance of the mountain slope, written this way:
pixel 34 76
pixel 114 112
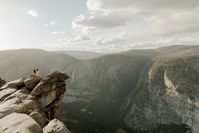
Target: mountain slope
pixel 18 63
pixel 167 92
pixel 98 88
pixel 138 90
pixel 82 55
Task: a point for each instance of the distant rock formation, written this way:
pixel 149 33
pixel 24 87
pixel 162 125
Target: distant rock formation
pixel 30 105
pixel 139 90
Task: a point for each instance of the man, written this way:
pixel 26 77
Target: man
pixel 33 74
pixel 37 72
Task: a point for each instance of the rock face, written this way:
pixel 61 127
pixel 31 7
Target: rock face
pixel 55 126
pixel 136 93
pixel 21 123
pixel 138 90
pixel 28 105
pixel 2 82
pixel 167 93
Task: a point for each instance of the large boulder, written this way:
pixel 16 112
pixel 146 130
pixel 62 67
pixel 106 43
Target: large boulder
pixel 120 131
pixel 39 117
pixel 2 82
pixel 57 76
pixel 14 84
pixel 23 93
pixel 46 99
pixel 43 87
pixel 55 126
pixel 54 81
pixel 27 105
pixel 30 83
pixel 19 123
pixel 6 92
pixel 9 106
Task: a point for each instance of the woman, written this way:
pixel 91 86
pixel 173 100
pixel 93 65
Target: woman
pixel 34 74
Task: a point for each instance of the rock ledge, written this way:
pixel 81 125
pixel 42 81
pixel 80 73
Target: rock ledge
pixel 32 105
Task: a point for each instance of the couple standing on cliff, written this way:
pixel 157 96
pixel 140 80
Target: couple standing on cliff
pixel 35 73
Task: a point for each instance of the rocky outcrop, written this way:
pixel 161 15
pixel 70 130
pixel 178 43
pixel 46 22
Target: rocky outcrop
pixel 29 105
pixel 167 94
pixel 133 90
pixel 2 82
pixel 55 126
pixel 21 123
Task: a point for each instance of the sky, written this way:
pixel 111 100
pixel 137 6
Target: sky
pixel 98 25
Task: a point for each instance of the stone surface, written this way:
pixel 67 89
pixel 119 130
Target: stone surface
pixel 30 83
pixel 43 87
pixel 120 131
pixel 14 84
pixel 39 117
pixel 20 123
pixel 9 106
pixel 55 126
pixel 6 92
pixel 22 94
pixel 27 105
pixel 166 94
pixel 2 82
pixel 45 99
pixel 57 76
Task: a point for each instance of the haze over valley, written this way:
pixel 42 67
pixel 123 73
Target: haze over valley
pixel 138 90
pixel 99 66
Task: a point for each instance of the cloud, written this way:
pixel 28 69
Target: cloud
pixel 139 23
pixel 142 5
pixel 98 21
pixel 80 38
pixel 54 32
pixel 131 40
pixel 32 12
pixel 63 32
pixel 167 16
pixel 58 32
pixel 50 24
pixel 111 39
pixel 178 23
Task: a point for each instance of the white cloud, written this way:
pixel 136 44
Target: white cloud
pixel 58 32
pixel 94 5
pixel 85 29
pixel 142 5
pixel 78 39
pixel 132 40
pixel 32 12
pixel 111 39
pixel 54 32
pixel 63 32
pixel 139 23
pixel 52 23
pixel 99 21
pixel 46 25
pixel 165 17
pixel 59 40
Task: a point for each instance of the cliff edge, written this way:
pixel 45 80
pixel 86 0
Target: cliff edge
pixel 32 105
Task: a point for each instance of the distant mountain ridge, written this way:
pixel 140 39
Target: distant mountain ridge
pixel 152 90
pixel 18 63
pixel 82 55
